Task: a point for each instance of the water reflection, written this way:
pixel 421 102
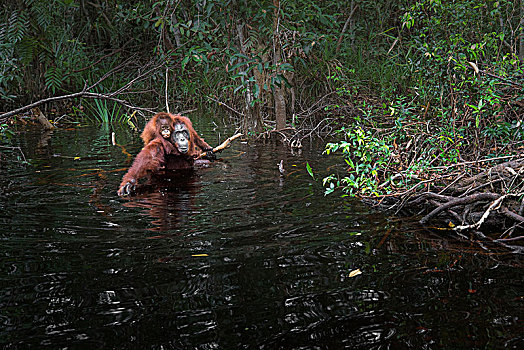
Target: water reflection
pixel 168 199
pixel 231 256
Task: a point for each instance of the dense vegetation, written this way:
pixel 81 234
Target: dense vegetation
pixel 415 89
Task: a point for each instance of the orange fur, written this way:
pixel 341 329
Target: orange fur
pixel 159 153
pixel 150 160
pixel 152 130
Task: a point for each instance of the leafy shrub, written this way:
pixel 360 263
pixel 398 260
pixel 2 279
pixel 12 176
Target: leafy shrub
pixel 366 158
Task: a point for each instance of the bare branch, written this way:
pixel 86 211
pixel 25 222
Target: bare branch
pixel 476 225
pixel 228 107
pixel 86 93
pixel 459 201
pixel 83 94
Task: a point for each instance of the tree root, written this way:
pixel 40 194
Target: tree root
pixel 458 201
pixel 487 204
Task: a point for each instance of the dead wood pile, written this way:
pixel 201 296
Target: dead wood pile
pixel 481 202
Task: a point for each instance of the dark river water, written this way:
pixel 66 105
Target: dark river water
pixel 231 256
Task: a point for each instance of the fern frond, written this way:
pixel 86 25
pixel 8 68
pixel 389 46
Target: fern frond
pixel 41 13
pixel 3 33
pixel 53 78
pixel 27 49
pixel 17 26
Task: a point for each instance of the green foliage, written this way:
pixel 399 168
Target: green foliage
pixel 456 60
pixel 310 170
pixel 101 113
pixel 5 132
pixel 384 51
pixel 53 79
pixel 365 155
pixel 444 36
pixel 12 32
pixel 242 73
pixel 34 43
pixel 269 55
pixel 47 46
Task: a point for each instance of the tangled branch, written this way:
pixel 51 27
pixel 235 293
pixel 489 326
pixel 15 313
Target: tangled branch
pixel 86 92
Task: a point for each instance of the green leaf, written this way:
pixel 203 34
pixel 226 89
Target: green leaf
pixel 184 61
pixel 310 171
pixel 238 88
pixel 287 67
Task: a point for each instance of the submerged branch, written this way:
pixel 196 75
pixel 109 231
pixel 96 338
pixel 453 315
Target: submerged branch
pixel 15 148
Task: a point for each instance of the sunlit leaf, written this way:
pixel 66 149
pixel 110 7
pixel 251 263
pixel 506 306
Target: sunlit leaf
pixel 328 191
pixel 197 255
pixel 309 170
pixel 355 273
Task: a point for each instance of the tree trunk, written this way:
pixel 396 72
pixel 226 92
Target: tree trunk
pixel 278 93
pixel 252 121
pixel 176 30
pixel 521 45
pixel 280 108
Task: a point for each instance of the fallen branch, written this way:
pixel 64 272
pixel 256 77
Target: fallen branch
pixel 477 70
pixel 42 119
pixel 496 203
pixel 512 215
pixel 440 168
pixel 83 94
pixel 223 145
pixel 86 92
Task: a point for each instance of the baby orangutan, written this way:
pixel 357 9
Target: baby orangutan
pixel 171 143
pixel 161 125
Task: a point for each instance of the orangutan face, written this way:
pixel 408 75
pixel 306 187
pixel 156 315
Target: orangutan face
pixel 165 128
pixel 181 137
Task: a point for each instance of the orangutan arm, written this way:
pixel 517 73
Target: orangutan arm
pixel 150 160
pixel 203 145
